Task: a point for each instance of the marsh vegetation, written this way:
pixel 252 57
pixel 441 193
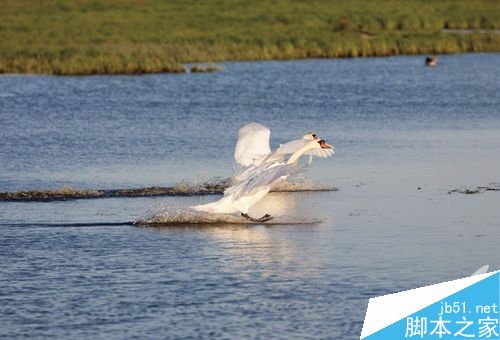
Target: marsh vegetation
pixel 73 37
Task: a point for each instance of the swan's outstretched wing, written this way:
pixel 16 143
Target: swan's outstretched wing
pixel 265 175
pixel 279 155
pixel 252 144
pixel 321 152
pixel 291 147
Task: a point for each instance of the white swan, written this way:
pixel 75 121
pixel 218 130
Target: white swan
pixel 243 195
pixel 253 149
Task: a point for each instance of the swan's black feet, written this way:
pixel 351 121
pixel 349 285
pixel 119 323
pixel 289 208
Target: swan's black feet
pixel 264 218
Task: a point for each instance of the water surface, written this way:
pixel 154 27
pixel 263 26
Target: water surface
pixel 405 135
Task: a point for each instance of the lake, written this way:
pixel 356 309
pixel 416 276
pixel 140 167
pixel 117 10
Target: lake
pixel 405 136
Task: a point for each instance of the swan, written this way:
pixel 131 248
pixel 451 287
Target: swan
pixel 253 149
pixel 243 195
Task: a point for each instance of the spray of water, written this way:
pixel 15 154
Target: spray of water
pixel 280 205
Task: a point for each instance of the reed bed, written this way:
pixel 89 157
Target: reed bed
pixel 83 37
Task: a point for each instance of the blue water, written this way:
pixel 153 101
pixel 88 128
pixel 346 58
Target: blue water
pixel 397 126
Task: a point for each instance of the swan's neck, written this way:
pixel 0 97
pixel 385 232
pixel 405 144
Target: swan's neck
pixel 296 155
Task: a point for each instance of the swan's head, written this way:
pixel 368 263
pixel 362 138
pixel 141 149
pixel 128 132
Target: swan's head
pixel 324 145
pixel 310 136
pixel 314 144
pixel 319 144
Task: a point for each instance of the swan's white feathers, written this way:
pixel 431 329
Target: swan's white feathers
pixel 321 152
pixel 265 175
pixel 291 147
pixel 294 145
pixel 252 145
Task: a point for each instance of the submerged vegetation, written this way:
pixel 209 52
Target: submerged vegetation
pixel 68 193
pixel 212 186
pixel 72 37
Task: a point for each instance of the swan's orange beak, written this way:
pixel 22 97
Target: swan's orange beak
pixel 325 145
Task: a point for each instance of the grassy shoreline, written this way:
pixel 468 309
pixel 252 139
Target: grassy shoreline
pixel 81 37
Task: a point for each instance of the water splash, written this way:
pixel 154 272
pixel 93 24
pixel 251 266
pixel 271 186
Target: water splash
pixel 175 214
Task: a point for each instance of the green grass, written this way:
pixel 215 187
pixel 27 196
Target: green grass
pixel 144 36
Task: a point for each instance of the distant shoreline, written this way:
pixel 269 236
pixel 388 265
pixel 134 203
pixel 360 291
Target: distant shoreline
pixel 103 68
pixel 79 37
